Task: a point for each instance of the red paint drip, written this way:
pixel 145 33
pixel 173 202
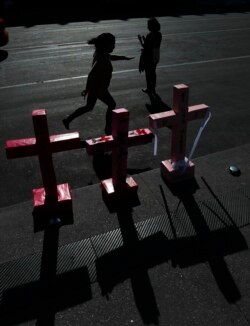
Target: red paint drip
pixel 104 138
pixel 141 131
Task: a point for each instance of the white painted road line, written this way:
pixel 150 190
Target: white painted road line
pixel 128 71
pixel 120 40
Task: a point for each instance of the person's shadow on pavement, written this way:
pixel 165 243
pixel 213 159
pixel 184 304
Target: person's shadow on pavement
pixel 156 104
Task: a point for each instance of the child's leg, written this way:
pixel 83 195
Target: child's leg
pixel 150 72
pixel 153 78
pixel 110 102
pixel 91 101
pixel 148 78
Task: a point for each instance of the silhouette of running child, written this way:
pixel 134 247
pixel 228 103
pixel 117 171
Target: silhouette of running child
pixel 98 80
pixel 150 55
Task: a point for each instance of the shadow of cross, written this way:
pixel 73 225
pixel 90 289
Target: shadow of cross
pixel 136 248
pixel 178 167
pixel 47 293
pixel 130 261
pixel 213 234
pixel 119 185
pixel 212 249
pixel 52 200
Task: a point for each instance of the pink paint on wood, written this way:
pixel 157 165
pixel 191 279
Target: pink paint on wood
pixel 177 119
pixel 64 142
pixel 120 123
pixel 197 112
pixel 179 129
pixel 44 146
pixel 44 213
pixel 99 145
pixel 63 194
pixel 17 148
pixel 20 148
pixel 139 137
pixel 162 119
pixel 108 186
pixel 119 143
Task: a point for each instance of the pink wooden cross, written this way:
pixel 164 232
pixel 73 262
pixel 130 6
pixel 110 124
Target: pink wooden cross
pixel 52 200
pixel 177 167
pixel 119 185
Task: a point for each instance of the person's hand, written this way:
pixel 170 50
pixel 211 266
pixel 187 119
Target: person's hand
pixel 140 38
pixel 84 93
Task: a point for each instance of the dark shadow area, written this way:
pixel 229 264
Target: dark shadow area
pixel 102 164
pixel 60 213
pixel 128 262
pixel 141 251
pixel 156 104
pixel 218 201
pixel 121 201
pixel 3 55
pixel 41 299
pixel 168 213
pixel 210 246
pixel 29 13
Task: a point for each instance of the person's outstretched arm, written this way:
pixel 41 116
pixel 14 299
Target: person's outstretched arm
pixel 114 57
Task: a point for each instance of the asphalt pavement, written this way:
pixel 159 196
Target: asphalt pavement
pixel 47 67
pixel 177 255
pixel 174 255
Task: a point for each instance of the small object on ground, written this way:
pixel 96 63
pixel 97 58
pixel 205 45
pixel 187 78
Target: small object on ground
pixel 234 170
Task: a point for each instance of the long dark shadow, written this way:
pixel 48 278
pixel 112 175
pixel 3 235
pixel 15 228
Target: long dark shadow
pixel 216 261
pixel 208 242
pixel 218 201
pixel 156 104
pixel 43 298
pixel 128 262
pixel 168 212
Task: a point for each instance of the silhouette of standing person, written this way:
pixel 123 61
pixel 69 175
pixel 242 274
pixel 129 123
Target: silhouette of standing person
pixel 150 54
pixel 98 80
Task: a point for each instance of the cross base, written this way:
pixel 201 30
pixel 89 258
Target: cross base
pixel 172 175
pixel 45 214
pixel 129 189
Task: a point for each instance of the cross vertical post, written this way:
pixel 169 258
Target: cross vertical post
pixel 120 122
pixel 52 201
pixel 120 185
pixel 179 129
pixel 44 155
pixel 178 167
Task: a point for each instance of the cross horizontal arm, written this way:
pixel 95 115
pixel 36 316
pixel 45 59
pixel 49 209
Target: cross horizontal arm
pixel 169 118
pixel 99 145
pixel 27 146
pixel 139 137
pixel 20 148
pixel 65 142
pixel 197 111
pixel 162 119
